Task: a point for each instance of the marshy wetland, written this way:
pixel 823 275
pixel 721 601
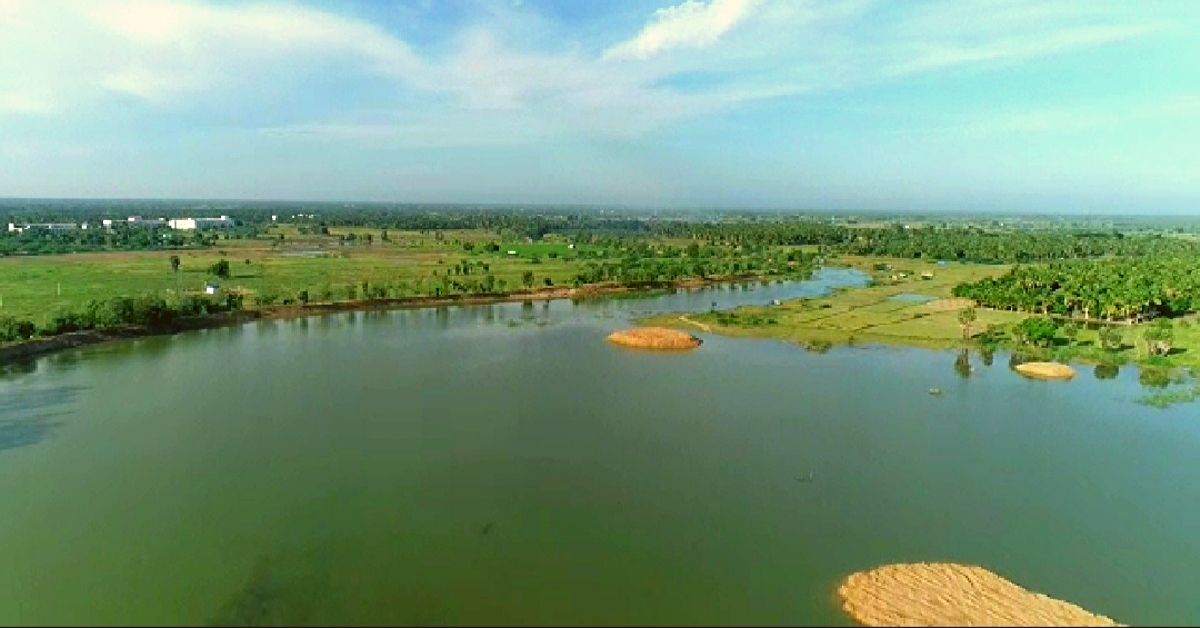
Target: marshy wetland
pixel 504 464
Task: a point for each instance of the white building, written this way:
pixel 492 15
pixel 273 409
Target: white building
pixel 191 224
pixel 134 221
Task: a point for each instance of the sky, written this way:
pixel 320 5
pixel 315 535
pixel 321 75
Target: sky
pixel 920 105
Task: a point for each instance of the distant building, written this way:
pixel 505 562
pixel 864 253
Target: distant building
pixel 135 222
pixel 191 224
pixel 138 221
pixel 211 288
pixel 56 227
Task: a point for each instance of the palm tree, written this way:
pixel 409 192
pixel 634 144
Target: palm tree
pixel 966 316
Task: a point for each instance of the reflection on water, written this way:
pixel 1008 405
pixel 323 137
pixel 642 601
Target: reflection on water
pixel 20 366
pixel 962 363
pixel 1106 371
pixel 29 416
pixel 282 589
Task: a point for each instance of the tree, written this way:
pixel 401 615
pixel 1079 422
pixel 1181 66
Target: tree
pixel 220 269
pixel 527 279
pixel 966 316
pixel 1035 331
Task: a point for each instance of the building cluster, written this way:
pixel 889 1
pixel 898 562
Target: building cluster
pixel 134 222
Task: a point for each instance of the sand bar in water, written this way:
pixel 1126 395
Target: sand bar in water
pixel 948 594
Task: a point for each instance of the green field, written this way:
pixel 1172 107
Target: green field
pixel 35 287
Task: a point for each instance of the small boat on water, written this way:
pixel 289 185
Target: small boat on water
pixel 935 391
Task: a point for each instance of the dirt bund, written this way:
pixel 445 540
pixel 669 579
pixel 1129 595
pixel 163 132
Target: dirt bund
pixel 656 338
pixel 1046 370
pixel 948 594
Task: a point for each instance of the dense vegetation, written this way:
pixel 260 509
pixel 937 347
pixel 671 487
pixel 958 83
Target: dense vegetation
pixel 145 311
pixel 1127 289
pixel 982 241
pixel 37 242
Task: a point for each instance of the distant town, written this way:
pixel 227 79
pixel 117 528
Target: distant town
pixel 179 224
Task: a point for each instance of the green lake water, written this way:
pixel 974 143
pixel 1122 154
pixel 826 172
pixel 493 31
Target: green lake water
pixel 504 464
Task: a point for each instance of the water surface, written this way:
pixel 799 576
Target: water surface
pixel 504 464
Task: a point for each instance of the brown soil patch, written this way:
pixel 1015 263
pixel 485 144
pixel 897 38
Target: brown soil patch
pixel 659 338
pixel 946 594
pixel 1046 370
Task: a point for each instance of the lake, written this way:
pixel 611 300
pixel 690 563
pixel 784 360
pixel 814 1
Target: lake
pixel 505 464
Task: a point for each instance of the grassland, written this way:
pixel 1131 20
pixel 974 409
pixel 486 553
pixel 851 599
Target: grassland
pixel 877 314
pixel 35 287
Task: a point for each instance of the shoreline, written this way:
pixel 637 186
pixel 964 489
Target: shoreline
pixel 37 347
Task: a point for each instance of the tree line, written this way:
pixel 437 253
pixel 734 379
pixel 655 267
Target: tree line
pixel 1131 289
pixel 151 312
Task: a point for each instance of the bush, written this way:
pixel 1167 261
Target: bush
pixel 62 322
pixel 220 269
pixel 267 297
pixel 1036 331
pixel 12 329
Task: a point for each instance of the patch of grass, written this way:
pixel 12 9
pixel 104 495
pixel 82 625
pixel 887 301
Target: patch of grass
pixel 410 263
pixel 867 315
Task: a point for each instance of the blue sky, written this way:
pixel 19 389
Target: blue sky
pixel 1006 105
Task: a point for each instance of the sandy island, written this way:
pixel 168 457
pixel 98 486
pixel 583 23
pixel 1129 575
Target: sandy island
pixel 946 594
pixel 1046 370
pixel 658 338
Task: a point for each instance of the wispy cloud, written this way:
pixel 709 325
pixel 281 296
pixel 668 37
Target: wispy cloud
pixel 691 24
pixel 182 47
pixel 514 73
pixel 936 55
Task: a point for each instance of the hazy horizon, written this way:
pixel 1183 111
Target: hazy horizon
pixel 978 106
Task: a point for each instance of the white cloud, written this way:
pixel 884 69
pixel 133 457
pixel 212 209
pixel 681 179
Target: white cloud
pixel 163 50
pixel 511 75
pixel 691 24
pixel 186 47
